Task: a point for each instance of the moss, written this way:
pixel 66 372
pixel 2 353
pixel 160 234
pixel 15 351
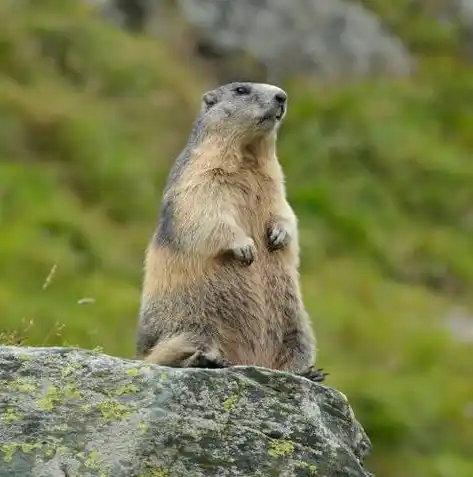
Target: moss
pixel 280 447
pixel 112 410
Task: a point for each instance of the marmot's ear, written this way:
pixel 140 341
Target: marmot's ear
pixel 209 99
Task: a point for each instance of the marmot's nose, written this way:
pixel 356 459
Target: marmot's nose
pixel 280 97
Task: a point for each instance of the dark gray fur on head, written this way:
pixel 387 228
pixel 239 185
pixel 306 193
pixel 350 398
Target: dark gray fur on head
pixel 240 110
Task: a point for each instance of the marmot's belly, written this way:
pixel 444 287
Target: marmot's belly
pixel 246 310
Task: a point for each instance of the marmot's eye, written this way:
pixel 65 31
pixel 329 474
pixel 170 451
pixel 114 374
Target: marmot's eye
pixel 242 90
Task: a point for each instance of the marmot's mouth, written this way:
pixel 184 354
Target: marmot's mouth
pixel 278 115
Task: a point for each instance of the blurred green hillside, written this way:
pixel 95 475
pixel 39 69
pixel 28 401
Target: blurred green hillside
pixel 380 174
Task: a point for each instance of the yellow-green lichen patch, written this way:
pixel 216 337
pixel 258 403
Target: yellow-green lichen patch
pixel 142 427
pixel 133 371
pixel 23 385
pixel 126 389
pixel 49 452
pixel 48 401
pixel 280 447
pixel 55 395
pixel 61 449
pixel 157 472
pixel 112 410
pixel 11 415
pixel 311 468
pixel 92 461
pixel 164 376
pixel 69 369
pixel 28 447
pixel 230 402
pixel 10 449
pixel 59 427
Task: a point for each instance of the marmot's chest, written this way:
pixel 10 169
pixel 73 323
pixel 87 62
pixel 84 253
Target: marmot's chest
pixel 254 210
pixel 255 193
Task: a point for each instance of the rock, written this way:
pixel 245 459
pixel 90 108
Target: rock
pixel 68 412
pixel 330 39
pixel 262 39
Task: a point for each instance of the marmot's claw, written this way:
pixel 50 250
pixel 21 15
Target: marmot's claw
pixel 202 360
pixel 220 363
pixel 246 254
pixel 316 375
pixel 278 237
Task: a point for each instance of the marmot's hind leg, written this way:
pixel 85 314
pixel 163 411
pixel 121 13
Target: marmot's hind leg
pixel 298 351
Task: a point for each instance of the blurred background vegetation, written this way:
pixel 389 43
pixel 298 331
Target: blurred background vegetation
pixel 379 170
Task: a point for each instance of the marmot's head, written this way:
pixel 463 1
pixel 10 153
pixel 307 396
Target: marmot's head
pixel 246 110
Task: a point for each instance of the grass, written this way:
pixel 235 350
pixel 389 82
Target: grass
pixel 379 174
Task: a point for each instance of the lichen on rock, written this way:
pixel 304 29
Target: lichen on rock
pixel 72 412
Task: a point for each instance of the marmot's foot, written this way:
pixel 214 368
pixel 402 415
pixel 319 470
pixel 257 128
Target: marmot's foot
pixel 316 375
pixel 202 360
pixel 278 237
pixel 245 254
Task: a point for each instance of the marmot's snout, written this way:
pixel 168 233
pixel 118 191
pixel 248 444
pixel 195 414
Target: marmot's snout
pixel 277 108
pixel 280 99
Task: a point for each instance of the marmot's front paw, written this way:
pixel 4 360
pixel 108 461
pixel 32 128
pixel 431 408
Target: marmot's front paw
pixel 314 374
pixel 202 360
pixel 278 236
pixel 245 254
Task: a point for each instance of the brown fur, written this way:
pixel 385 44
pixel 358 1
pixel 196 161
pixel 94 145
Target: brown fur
pixel 200 297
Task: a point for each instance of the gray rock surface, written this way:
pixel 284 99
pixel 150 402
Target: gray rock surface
pixel 324 39
pixel 67 412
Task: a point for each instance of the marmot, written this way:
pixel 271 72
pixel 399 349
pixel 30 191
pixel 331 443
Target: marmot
pixel 221 281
